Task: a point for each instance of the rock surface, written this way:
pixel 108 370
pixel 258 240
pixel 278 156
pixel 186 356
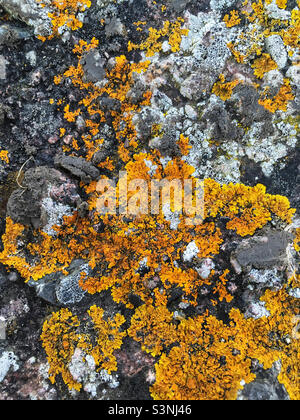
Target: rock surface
pixel 197 89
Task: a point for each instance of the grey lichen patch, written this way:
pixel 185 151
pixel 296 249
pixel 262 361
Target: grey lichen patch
pixel 30 12
pixel 68 291
pixel 277 50
pixel 8 361
pixel 60 289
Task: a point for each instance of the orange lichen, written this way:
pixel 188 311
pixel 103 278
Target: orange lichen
pixel 60 337
pixel 119 83
pixel 224 89
pixel 108 338
pixel 4 156
pixel 11 242
pixel 184 145
pixel 65 13
pixel 140 255
pixel 239 57
pixel 211 359
pixel 59 341
pixel 281 100
pixel 249 208
pixel 233 19
pixel 291 35
pixel 297 240
pixel 263 65
pixel 221 288
pixel 199 358
pixel 193 369
pixel 154 42
pixel 281 3
pixel 153 327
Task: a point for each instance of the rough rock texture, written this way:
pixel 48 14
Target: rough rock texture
pixel 29 12
pixel 43 199
pixel 62 290
pixel 149 88
pixel 265 251
pixel 78 167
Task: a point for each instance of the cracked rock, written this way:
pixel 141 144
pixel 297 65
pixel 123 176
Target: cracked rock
pixel 78 167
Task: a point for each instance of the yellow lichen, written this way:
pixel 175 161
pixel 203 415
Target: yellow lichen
pixel 279 101
pixel 224 89
pixel 263 65
pixel 153 327
pixel 65 13
pixel 59 341
pixel 154 42
pixel 233 19
pixel 198 357
pixel 211 359
pixel 108 338
pixel 4 156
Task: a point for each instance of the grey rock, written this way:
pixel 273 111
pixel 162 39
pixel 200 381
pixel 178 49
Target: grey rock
pixel 178 5
pixel 265 387
pixel 294 74
pixel 275 13
pixel 45 289
pixel 221 4
pixel 245 102
pixel 103 153
pixel 113 27
pixel 68 291
pixel 10 34
pixel 62 290
pixel 29 205
pixel 264 252
pixel 13 276
pixel 255 310
pixel 197 85
pixel 144 121
pixel 224 129
pixel 80 123
pixel 136 93
pixel 265 278
pixel 3 277
pixel 93 66
pixel 109 104
pixel 167 145
pixel 78 167
pixel 30 12
pixel 5 111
